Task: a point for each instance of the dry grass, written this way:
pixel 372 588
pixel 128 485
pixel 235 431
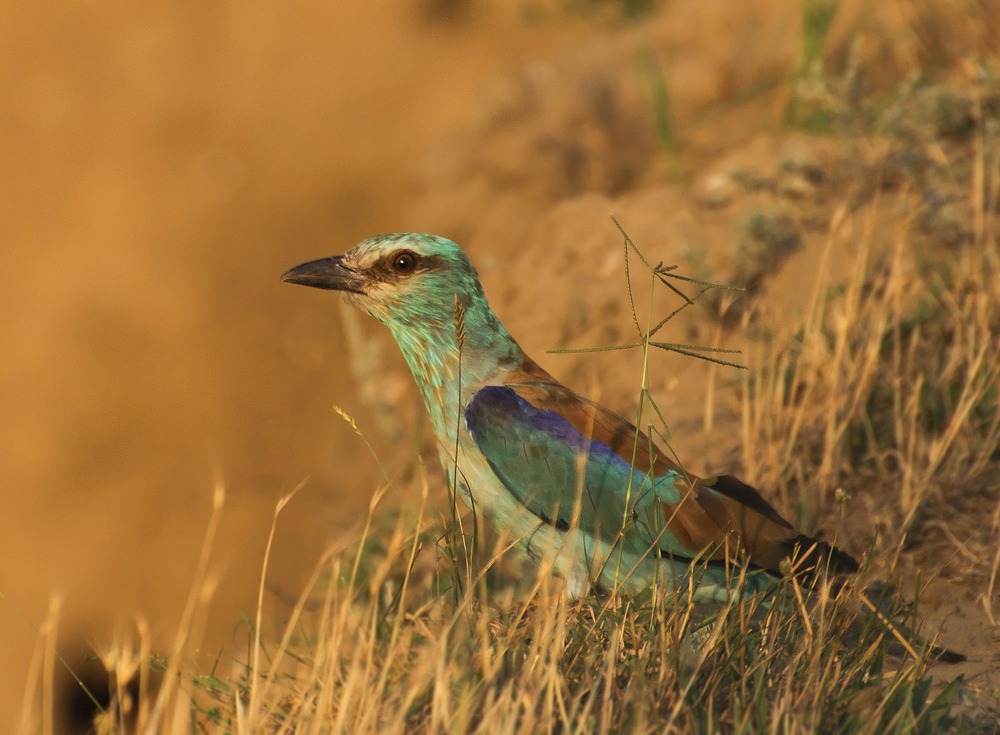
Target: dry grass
pixel 889 379
pixel 374 647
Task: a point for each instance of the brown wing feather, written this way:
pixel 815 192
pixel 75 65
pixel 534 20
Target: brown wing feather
pixel 716 517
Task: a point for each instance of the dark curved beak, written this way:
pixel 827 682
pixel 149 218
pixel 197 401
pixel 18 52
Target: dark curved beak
pixel 329 273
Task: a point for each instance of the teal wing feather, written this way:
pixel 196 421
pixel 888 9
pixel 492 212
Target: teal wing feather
pixel 573 463
pixel 569 479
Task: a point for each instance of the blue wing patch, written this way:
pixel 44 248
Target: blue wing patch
pixel 552 469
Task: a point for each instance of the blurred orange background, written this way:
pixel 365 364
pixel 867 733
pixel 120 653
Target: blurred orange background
pixel 162 165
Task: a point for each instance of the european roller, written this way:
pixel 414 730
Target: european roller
pixel 568 480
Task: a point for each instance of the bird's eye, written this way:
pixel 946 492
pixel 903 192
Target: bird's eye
pixel 404 262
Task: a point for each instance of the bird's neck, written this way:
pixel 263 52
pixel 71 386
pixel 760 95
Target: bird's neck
pixel 451 362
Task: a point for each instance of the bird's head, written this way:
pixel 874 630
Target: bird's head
pixel 407 281
pixel 425 290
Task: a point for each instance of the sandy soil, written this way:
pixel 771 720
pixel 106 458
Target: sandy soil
pixel 162 167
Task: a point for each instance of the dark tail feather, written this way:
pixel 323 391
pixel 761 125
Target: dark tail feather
pixel 810 554
pixel 946 655
pixel 877 598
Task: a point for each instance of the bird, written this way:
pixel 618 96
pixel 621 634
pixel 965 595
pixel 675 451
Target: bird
pixel 569 481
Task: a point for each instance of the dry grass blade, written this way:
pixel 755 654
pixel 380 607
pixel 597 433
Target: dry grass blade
pixel 660 273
